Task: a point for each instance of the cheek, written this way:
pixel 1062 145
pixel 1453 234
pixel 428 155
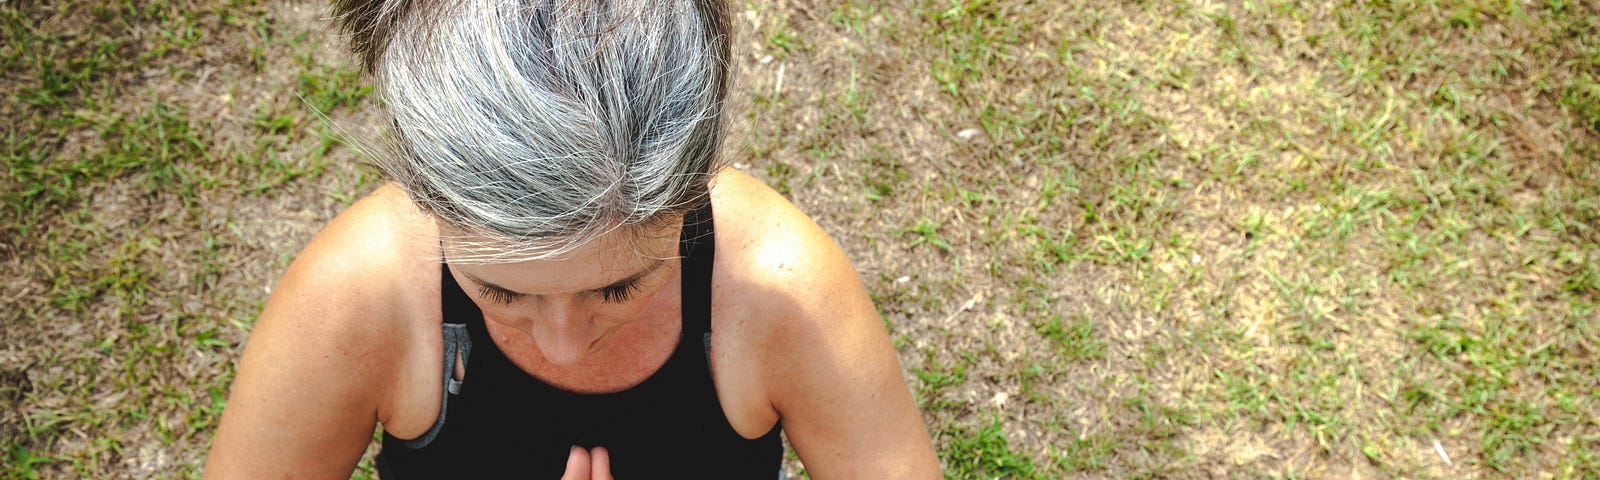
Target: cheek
pixel 616 314
pixel 509 315
pixel 641 306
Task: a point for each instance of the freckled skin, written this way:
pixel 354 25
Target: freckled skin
pixel 350 339
pixel 564 332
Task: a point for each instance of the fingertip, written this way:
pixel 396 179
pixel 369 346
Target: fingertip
pixel 600 463
pixel 577 464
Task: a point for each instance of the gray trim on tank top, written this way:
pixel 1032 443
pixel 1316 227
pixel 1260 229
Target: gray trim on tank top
pixel 456 341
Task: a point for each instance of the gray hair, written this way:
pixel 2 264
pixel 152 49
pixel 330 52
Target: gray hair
pixel 542 125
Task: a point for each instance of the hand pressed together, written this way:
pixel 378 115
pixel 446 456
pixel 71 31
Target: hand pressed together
pixel 586 464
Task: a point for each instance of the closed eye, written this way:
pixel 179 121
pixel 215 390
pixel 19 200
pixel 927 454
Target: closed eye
pixel 498 295
pixel 618 293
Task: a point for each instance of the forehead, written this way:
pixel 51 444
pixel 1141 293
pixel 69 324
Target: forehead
pixel 599 263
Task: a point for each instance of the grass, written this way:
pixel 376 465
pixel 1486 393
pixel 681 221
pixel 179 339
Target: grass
pixel 1111 239
pixel 1264 241
pixel 117 191
pixel 985 453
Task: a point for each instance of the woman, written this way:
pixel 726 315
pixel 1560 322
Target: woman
pixel 560 282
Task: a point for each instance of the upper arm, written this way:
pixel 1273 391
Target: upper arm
pixel 833 375
pixel 305 398
pixel 842 398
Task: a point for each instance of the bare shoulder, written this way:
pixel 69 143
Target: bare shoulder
pixel 774 257
pixel 784 286
pixel 809 341
pixel 360 296
pixel 352 278
pixel 768 239
pixel 328 350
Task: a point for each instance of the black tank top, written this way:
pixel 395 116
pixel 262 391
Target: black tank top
pixel 502 422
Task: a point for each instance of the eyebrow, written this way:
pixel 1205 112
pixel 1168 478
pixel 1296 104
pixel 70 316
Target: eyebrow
pixel 619 283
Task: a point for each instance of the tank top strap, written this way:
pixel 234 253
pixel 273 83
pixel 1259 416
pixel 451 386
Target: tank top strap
pixel 458 308
pixel 697 246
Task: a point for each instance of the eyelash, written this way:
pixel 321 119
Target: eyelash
pixel 497 296
pixel 619 293
pixel 614 294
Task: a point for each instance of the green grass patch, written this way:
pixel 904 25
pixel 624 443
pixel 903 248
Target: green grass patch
pixel 984 453
pixel 154 147
pixel 1074 338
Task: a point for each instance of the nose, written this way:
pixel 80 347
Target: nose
pixel 562 334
